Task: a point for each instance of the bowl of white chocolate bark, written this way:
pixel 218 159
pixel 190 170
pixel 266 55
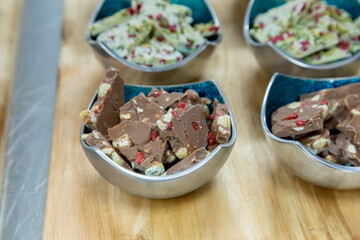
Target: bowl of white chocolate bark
pixel 154 39
pixel 308 38
pixel 157 141
pixel 314 127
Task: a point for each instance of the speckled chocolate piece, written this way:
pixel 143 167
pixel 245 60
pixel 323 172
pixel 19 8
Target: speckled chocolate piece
pixel 189 161
pixel 104 113
pixel 300 117
pixel 220 125
pixel 96 139
pixel 316 142
pixel 351 126
pixel 335 93
pixel 142 109
pixel 352 153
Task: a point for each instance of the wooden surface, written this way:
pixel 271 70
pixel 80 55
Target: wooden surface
pixel 9 28
pixel 252 197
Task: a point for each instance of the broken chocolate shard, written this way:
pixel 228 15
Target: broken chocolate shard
pixel 316 142
pixel 96 139
pixel 104 113
pixel 138 132
pixel 142 109
pixel 166 99
pixel 220 126
pixel 195 157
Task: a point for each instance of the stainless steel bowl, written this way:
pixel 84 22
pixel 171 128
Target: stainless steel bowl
pixel 186 70
pixel 282 90
pixel 272 59
pixel 167 186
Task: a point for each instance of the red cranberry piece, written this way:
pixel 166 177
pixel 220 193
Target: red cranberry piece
pixel 139 158
pixel 292 116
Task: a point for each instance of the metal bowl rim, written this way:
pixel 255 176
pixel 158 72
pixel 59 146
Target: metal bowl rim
pixel 143 68
pixel 176 175
pixel 249 40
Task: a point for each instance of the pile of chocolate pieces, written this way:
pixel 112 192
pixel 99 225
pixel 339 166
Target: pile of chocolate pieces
pixel 159 134
pixel 326 122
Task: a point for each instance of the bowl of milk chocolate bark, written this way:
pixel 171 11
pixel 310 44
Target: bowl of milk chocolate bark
pixel 157 141
pixel 314 126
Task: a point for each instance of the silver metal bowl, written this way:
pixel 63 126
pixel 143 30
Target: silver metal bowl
pixel 164 186
pixel 188 69
pixel 272 59
pixel 284 89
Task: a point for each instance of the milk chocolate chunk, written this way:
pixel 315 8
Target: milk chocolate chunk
pixel 128 133
pixel 104 113
pixel 141 108
pixel 335 93
pixel 96 139
pixel 190 129
pixel 300 117
pixel 149 167
pixel 351 126
pixel 316 142
pixel 154 148
pixel 352 153
pixel 220 124
pixel 337 144
pixel 166 99
pixel 189 161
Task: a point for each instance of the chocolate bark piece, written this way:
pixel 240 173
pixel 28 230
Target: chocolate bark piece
pixel 129 133
pixel 352 153
pixel 317 141
pixel 351 101
pixel 141 108
pixel 351 126
pixel 129 152
pixel 104 113
pixel 220 126
pixel 185 129
pixel 154 148
pixel 190 129
pixel 337 144
pixel 96 139
pixel 192 97
pixel 166 99
pixel 149 167
pixel 335 93
pixel 302 117
pixel 189 161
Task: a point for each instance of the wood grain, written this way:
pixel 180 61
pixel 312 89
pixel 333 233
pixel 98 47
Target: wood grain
pixel 9 28
pixel 252 197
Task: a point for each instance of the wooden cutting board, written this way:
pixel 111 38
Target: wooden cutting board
pixel 252 197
